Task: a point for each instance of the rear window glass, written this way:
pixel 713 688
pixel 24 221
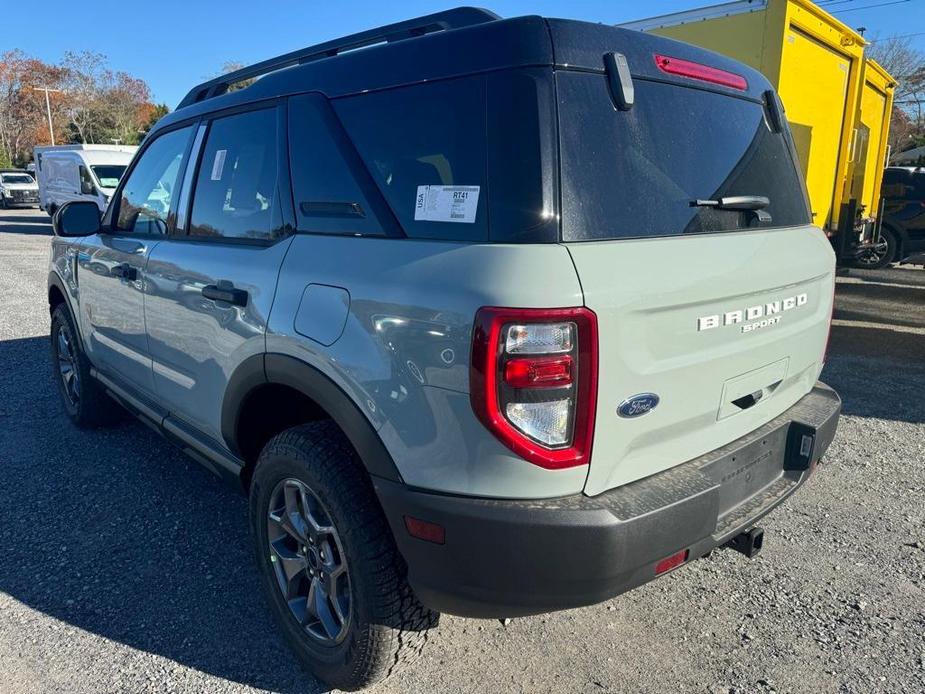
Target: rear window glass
pixel 424 146
pixel 635 173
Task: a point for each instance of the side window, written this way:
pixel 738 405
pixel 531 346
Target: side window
pixel 146 197
pixel 327 174
pixel 236 185
pixel 425 147
pixel 917 190
pixel 87 187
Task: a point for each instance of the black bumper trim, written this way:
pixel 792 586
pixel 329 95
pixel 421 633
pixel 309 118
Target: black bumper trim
pixel 508 558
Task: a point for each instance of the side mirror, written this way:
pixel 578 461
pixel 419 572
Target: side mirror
pixel 77 218
pixel 86 188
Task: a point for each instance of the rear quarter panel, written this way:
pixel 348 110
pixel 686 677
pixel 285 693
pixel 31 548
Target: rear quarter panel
pixel 403 354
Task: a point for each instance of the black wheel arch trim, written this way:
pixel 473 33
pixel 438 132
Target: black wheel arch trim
pixel 285 370
pixel 54 280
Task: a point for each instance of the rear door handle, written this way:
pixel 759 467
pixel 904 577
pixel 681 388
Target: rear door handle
pixel 126 272
pixel 238 297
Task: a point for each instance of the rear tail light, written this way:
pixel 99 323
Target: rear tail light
pixel 697 71
pixel 533 381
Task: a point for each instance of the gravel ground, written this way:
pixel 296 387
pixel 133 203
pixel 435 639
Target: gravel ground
pixel 126 567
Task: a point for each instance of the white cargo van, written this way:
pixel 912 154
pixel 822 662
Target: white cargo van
pixel 79 172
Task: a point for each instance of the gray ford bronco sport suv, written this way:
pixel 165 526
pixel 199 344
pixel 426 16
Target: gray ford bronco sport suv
pixel 492 317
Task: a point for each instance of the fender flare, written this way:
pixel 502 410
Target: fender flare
pixel 282 369
pixel 54 280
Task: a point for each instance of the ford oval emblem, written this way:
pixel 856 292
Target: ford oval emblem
pixel 638 405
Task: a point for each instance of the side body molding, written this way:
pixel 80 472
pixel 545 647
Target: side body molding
pixel 285 370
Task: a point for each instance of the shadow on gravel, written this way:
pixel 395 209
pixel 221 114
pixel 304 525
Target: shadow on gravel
pixel 877 303
pixel 117 533
pixel 37 224
pixel 893 275
pixel 878 372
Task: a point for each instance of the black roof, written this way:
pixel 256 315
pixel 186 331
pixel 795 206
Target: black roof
pixel 449 44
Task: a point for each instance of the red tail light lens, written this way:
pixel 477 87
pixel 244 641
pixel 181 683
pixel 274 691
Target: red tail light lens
pixel 696 71
pixel 533 381
pixel 539 372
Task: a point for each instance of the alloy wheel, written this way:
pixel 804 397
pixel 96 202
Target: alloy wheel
pixel 308 560
pixel 67 367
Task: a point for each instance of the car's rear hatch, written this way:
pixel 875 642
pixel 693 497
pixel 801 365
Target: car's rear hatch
pixel 721 313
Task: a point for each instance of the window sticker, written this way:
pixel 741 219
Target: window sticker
pixel 218 164
pixel 446 204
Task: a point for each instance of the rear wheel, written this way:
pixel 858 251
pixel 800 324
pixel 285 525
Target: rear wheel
pixel 883 253
pixel 84 399
pixel 329 566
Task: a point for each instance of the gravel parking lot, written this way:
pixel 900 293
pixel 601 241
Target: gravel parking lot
pixel 124 566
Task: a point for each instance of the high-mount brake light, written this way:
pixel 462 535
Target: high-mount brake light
pixel 697 71
pixel 533 381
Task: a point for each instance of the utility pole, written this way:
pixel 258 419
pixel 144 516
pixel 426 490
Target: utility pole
pixel 51 128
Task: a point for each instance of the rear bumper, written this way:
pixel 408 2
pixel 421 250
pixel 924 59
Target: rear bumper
pixel 504 558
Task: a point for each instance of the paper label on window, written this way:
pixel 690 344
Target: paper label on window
pixel 218 164
pixel 447 204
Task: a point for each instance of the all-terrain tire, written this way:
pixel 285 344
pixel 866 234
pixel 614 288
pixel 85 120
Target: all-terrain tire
pixel 387 625
pixel 92 407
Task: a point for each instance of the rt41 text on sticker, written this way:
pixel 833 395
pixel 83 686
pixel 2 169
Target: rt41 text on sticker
pixel 446 204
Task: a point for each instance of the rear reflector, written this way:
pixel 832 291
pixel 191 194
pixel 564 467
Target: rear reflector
pixel 672 562
pixel 696 71
pixel 425 530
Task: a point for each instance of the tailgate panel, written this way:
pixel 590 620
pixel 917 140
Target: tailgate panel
pixel 651 295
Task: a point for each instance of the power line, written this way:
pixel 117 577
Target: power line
pixel 900 36
pixel 870 7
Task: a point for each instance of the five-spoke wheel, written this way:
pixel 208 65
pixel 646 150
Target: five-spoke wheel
pixel 309 561
pixel 67 366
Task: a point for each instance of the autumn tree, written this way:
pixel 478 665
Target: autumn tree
pixel 907 64
pixel 23 113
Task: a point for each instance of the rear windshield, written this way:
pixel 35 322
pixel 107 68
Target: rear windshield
pixel 636 173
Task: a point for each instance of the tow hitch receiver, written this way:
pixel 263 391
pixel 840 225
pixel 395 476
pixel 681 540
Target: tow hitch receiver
pixel 748 543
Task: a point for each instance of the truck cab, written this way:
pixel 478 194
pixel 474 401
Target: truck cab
pixel 80 172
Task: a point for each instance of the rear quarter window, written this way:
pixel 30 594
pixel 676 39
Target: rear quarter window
pixel 628 174
pixel 425 135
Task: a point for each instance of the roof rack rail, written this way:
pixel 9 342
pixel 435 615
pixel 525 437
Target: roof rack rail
pixel 411 28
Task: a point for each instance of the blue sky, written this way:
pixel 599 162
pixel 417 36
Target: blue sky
pixel 173 44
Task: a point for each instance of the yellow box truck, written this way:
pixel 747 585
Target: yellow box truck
pixel 817 65
pixel 870 151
